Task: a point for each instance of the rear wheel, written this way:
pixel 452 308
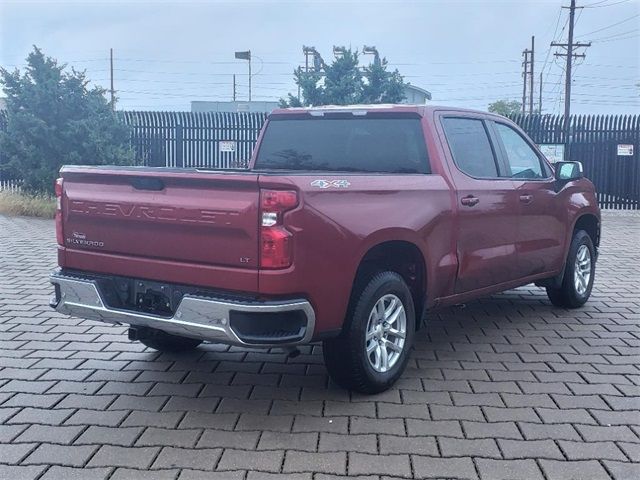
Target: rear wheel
pixel 165 342
pixel 579 273
pixel 373 349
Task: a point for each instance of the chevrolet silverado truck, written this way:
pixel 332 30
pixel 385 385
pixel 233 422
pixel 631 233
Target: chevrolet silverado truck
pixel 350 226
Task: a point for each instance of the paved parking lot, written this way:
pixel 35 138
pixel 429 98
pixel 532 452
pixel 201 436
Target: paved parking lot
pixel 504 388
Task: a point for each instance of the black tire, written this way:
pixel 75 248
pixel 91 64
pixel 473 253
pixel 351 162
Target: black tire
pixel 568 296
pixel 165 342
pixel 345 356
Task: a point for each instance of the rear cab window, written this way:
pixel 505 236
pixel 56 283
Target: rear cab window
pixel 346 143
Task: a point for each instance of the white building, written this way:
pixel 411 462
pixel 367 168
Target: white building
pixel 415 95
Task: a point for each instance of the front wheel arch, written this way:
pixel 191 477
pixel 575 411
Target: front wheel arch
pixel 590 224
pixel 565 293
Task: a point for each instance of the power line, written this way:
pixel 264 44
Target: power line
pixel 570 55
pixel 595 5
pixel 615 35
pixel 617 39
pixel 611 66
pixel 554 38
pixel 611 26
pixel 197 62
pixel 546 58
pixel 113 93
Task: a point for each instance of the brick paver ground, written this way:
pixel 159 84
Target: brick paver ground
pixel 507 387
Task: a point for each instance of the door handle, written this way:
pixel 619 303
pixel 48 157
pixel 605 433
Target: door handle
pixel 469 201
pixel 526 198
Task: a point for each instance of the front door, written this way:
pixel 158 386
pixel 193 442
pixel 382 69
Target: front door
pixel 486 206
pixel 541 222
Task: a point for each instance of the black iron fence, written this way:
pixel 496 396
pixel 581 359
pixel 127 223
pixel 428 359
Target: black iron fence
pixel 201 139
pixel 607 145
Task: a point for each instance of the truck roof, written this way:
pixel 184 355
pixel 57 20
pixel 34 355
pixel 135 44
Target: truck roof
pixel 381 107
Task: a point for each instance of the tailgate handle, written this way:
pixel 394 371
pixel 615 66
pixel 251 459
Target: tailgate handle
pixel 154 184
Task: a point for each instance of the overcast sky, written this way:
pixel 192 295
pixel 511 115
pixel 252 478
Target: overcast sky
pixel 467 53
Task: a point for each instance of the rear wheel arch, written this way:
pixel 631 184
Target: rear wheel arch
pixel 381 327
pixel 400 256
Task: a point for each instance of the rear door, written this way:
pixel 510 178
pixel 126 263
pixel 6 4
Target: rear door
pixel 541 220
pixel 487 210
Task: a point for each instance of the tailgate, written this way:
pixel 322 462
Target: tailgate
pixel 205 218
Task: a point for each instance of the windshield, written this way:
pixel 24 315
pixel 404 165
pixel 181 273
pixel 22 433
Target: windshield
pixel 391 145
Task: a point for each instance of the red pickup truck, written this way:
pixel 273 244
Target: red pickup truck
pixel 350 226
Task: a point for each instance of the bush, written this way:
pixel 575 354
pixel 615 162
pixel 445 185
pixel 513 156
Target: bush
pixel 23 204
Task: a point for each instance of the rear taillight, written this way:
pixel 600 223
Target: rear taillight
pixel 276 247
pixel 58 190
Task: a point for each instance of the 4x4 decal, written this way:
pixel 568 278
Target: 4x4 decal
pixel 321 183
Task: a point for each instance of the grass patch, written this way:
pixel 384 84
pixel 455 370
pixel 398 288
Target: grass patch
pixel 12 203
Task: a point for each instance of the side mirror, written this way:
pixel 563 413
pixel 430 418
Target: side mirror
pixel 567 171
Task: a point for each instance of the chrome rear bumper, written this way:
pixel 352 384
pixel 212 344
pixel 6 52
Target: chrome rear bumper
pixel 206 318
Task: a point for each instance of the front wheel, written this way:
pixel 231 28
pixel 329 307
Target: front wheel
pixel 373 349
pixel 579 273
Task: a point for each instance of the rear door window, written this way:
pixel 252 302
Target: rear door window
pixel 378 144
pixel 470 146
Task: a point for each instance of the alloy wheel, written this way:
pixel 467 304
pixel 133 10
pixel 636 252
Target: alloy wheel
pixel 386 333
pixel 582 270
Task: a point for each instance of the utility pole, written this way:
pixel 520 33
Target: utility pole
pixel 533 39
pixel 372 51
pixel 527 77
pixel 339 51
pixel 246 55
pixel 540 99
pixel 569 46
pixel 113 93
pixel 525 64
pixel 234 87
pixel 316 65
pixel 318 62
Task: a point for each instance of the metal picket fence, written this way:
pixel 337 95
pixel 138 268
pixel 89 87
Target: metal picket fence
pixel 608 147
pixel 200 139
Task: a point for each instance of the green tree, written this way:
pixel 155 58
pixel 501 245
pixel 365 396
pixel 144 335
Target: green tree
pixel 505 107
pixel 54 118
pixel 343 82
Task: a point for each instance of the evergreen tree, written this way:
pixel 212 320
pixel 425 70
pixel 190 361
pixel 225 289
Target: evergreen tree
pixel 343 82
pixel 54 118
pixel 506 108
